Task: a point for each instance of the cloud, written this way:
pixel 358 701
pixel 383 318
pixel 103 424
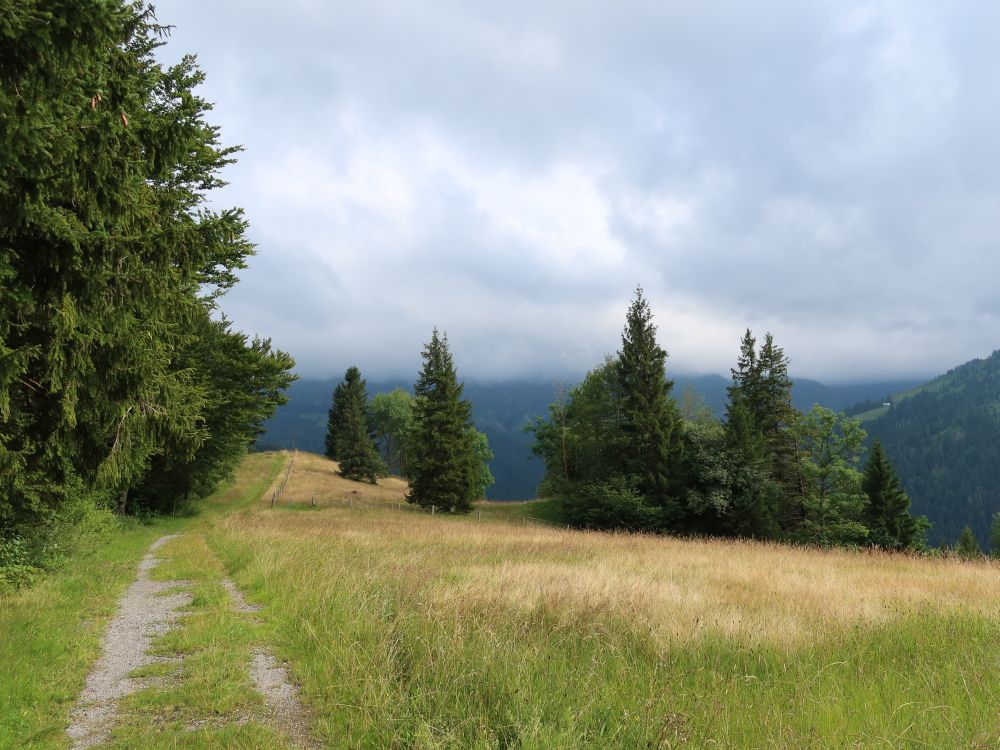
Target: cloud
pixel 510 172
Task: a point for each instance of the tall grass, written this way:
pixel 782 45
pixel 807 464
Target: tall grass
pixel 412 631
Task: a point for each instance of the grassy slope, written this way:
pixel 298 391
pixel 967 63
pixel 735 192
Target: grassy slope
pixel 50 635
pixel 937 384
pixel 411 631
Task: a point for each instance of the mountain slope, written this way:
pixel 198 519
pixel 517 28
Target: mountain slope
pixel 944 439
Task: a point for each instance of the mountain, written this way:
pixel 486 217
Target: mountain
pixel 501 410
pixel 943 437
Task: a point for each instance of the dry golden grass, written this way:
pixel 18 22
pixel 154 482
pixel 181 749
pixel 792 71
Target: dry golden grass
pixel 676 589
pixel 315 477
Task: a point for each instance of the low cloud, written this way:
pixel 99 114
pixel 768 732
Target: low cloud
pixel 509 174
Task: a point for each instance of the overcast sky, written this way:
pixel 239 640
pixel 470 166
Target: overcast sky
pixel 510 171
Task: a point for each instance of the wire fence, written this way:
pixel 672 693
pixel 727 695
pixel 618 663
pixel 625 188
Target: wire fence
pixel 276 495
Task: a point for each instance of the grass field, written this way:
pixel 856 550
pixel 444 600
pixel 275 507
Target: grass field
pixel 406 630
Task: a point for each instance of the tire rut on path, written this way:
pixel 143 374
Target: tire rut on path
pixel 271 679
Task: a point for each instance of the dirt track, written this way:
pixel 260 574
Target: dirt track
pixel 150 609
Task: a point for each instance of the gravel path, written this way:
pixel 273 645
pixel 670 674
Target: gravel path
pixel 150 609
pixel 143 614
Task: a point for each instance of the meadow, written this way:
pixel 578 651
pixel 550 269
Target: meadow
pixel 493 630
pixel 407 630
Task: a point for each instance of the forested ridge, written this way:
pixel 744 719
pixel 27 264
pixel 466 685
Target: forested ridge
pixel 944 439
pixel 122 387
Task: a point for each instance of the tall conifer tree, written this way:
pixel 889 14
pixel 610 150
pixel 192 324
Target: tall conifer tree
pixel 338 409
pixel 652 425
pixel 107 241
pixel 761 396
pixel 887 510
pixel 356 451
pixel 778 420
pixel 440 462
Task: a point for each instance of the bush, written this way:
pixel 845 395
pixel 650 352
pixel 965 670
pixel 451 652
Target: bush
pixel 83 522
pixel 16 569
pixel 612 504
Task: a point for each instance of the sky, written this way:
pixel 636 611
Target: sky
pixel 510 172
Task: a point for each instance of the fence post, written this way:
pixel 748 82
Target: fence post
pixel 314 501
pixel 432 510
pixel 480 517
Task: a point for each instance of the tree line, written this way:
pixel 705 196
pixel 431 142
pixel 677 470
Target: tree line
pixel 428 438
pixel 619 454
pixel 121 384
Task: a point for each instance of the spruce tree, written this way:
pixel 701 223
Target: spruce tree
pixel 768 491
pixel 651 424
pixel 752 508
pixel 356 452
pixel 887 510
pixel 110 255
pixel 771 405
pixel 967 545
pixel 440 462
pixel 338 408
pixel 744 386
pixel 755 496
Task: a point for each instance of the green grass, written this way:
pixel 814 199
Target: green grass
pixel 410 631
pixel 51 633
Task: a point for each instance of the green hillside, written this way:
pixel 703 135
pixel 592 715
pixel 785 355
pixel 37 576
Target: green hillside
pixel 931 386
pixel 944 438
